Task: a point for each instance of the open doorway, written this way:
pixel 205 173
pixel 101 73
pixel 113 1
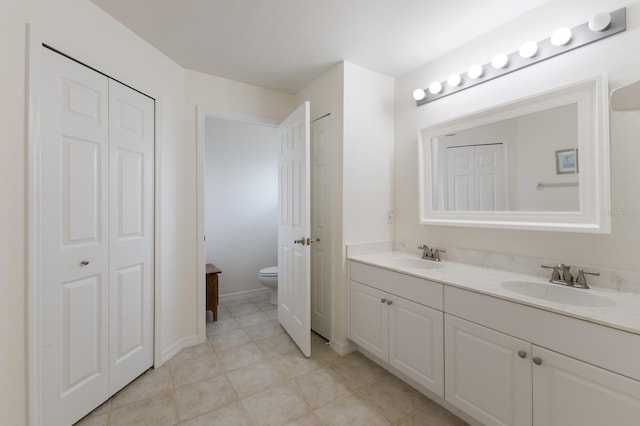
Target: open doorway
pixel 231 245
pixel 241 200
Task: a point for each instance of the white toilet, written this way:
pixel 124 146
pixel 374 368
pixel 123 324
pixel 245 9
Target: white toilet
pixel 268 277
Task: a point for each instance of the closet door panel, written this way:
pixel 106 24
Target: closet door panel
pixel 73 238
pixel 131 145
pixel 130 293
pixel 130 195
pixel 81 192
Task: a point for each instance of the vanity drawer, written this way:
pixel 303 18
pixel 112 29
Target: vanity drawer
pixel 419 290
pixel 606 347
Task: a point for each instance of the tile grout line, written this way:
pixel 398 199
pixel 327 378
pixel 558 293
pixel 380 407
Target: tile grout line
pixel 173 396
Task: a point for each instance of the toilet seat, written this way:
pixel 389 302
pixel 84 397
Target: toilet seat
pixel 268 277
pixel 271 271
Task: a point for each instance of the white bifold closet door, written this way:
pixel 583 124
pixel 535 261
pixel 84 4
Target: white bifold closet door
pixel 95 237
pixel 131 149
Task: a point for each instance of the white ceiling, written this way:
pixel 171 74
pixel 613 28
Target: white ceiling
pixel 286 44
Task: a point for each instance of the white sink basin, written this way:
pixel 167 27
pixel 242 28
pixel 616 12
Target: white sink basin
pixel 557 293
pixel 413 263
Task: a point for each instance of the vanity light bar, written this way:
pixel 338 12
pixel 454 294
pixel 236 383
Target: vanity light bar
pixel 562 40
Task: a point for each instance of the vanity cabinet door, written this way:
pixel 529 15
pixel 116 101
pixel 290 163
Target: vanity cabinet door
pixel 570 392
pixel 487 373
pixel 368 323
pixel 416 342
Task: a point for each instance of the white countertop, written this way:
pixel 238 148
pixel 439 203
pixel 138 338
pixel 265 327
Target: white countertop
pixel 623 314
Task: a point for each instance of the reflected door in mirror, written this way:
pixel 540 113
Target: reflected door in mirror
pixel 475 178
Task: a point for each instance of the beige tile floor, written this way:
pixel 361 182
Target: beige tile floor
pixel 249 372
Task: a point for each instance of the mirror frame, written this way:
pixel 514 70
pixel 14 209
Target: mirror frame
pixel 593 215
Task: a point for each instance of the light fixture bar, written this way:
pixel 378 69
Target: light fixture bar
pixel 580 36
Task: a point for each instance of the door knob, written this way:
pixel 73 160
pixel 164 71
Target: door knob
pixel 537 361
pixel 522 354
pixel 84 262
pixel 383 300
pixel 389 302
pixel 301 241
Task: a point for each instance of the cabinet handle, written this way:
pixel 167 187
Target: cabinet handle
pixel 522 354
pixel 383 300
pixel 537 361
pixel 84 263
pixel 389 302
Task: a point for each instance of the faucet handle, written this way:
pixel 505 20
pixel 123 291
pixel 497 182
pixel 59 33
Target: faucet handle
pixel 436 254
pixel 566 273
pixel 581 280
pixel 557 269
pixel 426 251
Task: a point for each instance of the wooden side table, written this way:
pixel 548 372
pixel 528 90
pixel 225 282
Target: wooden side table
pixel 212 289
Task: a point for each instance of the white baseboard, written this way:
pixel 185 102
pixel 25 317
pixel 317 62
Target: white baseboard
pixel 344 348
pixel 176 347
pixel 246 293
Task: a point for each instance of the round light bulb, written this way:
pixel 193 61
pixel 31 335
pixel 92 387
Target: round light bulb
pixel 475 71
pixel 561 36
pixel 435 87
pixel 454 80
pixel 501 60
pixel 529 49
pixel 419 94
pixel 600 21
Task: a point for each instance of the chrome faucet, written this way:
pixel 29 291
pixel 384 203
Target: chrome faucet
pixel 431 254
pixel 562 275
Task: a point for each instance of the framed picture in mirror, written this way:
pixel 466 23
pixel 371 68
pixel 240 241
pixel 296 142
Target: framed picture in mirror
pixel 567 161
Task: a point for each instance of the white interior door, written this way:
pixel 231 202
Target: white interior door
pixel 73 232
pixel 131 152
pixel 294 276
pixel 321 226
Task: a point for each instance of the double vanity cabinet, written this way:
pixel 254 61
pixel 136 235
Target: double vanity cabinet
pixel 502 362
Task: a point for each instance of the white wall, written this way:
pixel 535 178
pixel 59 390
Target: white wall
pixel 367 165
pixel 84 31
pixel 368 155
pixel 241 192
pixel 326 94
pixel 231 99
pixel 80 29
pixel 12 213
pixel 612 55
pixel 362 102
